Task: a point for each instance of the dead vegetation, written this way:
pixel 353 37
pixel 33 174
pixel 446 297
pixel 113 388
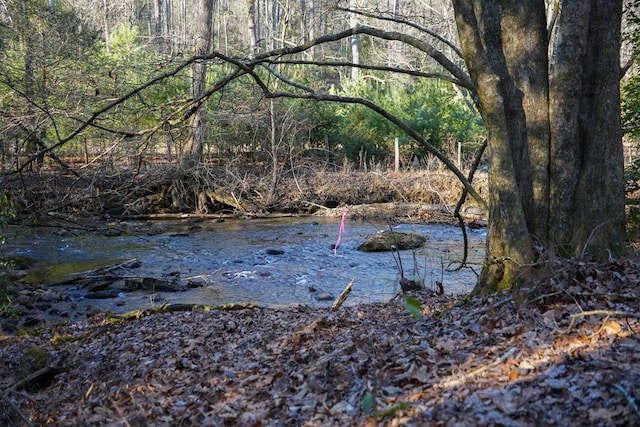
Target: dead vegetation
pixel 562 351
pixel 230 190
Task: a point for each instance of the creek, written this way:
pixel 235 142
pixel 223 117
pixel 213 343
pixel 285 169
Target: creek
pixel 270 262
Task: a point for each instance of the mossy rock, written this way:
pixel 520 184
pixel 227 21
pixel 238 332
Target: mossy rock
pixel 34 359
pixel 385 241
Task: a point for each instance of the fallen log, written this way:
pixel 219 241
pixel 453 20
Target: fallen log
pixel 91 274
pixel 170 308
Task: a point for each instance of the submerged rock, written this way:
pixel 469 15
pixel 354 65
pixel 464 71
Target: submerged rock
pixel 320 295
pixel 275 252
pixel 391 241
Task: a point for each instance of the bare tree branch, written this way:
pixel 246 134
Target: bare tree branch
pixel 440 76
pixel 439 57
pixel 386 16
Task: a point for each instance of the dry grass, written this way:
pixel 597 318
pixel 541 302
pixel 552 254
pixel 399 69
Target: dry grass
pixel 122 191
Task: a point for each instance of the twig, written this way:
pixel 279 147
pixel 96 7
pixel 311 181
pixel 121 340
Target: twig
pixel 342 297
pixel 482 369
pixel 629 398
pixel 48 370
pixel 593 232
pixel 17 410
pixel 608 314
pixel 484 310
pixel 120 414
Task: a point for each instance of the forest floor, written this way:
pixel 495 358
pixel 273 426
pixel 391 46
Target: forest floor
pixel 562 350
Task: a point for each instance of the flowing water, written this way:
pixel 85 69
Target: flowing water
pixel 271 262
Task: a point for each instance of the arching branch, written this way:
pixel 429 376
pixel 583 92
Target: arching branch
pixel 386 16
pixel 421 45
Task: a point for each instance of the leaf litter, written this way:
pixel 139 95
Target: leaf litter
pixel 562 350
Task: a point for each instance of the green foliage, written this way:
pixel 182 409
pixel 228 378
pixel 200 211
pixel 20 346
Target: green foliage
pixel 76 72
pixel 6 301
pixel 414 307
pixel 55 73
pixel 10 207
pixel 630 91
pixel 368 406
pixel 630 106
pixel 431 108
pixel 124 44
pixel 368 403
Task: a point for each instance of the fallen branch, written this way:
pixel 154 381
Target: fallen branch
pixel 476 313
pixel 17 410
pixel 629 398
pixel 33 380
pixel 170 308
pixel 342 297
pixel 482 369
pixel 76 277
pixel 607 313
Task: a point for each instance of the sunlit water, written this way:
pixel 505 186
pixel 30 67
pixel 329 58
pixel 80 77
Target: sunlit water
pixel 231 258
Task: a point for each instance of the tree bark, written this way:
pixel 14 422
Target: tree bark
pixel 193 150
pixel 355 44
pixel 251 23
pixel 587 191
pixel 555 155
pixel 159 30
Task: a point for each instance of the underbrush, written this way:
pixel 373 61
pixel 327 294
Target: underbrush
pixel 162 189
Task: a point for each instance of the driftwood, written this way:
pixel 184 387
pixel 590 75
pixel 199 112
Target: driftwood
pixel 170 308
pixel 342 297
pixel 223 197
pixel 92 274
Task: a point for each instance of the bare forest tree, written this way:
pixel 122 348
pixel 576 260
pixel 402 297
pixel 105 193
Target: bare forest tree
pixel 194 146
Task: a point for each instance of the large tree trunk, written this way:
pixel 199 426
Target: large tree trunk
pixel 193 150
pixel 547 150
pixel 587 191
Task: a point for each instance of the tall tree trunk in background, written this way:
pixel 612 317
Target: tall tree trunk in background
pixel 193 150
pixel 312 26
pixel 355 44
pixel 183 13
pixel 168 19
pixel 105 23
pixel 555 148
pixel 159 25
pixel 251 21
pixel 30 122
pixel 274 24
